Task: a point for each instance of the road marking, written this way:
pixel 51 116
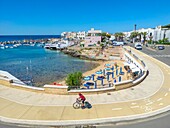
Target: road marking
pixel 116 108
pixel 133 103
pixel 149 103
pixel 135 107
pixel 160 104
pixel 166 94
pixel 169 89
pixel 159 99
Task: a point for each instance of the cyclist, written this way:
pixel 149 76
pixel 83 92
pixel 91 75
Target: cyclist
pixel 82 98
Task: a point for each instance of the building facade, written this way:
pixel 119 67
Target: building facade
pixel 93 37
pixel 81 35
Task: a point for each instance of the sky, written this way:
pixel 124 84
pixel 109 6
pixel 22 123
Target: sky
pixel 48 17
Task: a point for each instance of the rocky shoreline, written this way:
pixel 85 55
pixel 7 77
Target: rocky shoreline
pixel 78 54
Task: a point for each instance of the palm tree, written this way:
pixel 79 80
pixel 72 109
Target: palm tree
pixel 144 36
pixel 133 35
pixel 119 36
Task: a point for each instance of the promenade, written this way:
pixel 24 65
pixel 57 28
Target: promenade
pixel 148 98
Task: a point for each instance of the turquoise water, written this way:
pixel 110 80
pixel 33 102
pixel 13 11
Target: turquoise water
pixel 39 65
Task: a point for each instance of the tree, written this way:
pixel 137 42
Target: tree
pixel 74 80
pixel 119 36
pixel 144 36
pixel 108 35
pixel 103 34
pixel 98 42
pixel 134 35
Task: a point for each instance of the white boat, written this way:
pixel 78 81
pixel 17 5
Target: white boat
pixel 15 46
pixel 47 46
pixel 6 46
pixel 2 47
pixel 11 47
pixel 32 44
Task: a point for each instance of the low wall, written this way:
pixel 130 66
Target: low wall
pixel 53 89
pixel 5 82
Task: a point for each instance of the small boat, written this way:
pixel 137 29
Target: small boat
pixel 2 47
pixel 6 46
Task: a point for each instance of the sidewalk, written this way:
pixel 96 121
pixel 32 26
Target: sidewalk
pixel 19 106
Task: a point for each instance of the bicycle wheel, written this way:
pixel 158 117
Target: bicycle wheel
pixel 76 105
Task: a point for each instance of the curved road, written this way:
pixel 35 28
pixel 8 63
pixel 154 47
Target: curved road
pixel 154 101
pixel 161 121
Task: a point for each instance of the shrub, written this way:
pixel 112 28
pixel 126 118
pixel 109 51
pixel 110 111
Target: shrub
pixel 74 80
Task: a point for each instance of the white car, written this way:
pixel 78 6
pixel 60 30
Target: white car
pixel 138 46
pixel 115 43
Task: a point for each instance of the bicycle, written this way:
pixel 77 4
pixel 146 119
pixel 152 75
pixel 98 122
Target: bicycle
pixel 77 104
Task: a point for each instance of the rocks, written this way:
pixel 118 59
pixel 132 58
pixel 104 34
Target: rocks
pixel 79 54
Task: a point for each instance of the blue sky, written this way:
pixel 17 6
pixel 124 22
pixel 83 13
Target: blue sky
pixel 55 16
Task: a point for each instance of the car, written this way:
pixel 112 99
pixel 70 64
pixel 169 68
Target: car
pixel 138 47
pixel 115 43
pixel 161 47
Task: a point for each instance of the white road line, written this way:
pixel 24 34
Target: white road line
pixel 135 107
pixel 133 103
pixel 116 108
pixel 166 94
pixel 149 103
pixel 161 104
pixel 169 89
pixel 159 99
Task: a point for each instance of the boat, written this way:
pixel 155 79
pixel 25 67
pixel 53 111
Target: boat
pixel 6 46
pixel 47 46
pixel 2 47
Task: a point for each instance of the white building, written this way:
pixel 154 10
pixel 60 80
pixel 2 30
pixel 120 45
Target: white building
pixel 155 34
pixel 93 32
pixel 81 35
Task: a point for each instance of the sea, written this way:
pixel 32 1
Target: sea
pixel 37 66
pixel 25 37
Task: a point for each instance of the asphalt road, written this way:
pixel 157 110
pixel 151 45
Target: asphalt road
pixel 161 121
pixel 162 55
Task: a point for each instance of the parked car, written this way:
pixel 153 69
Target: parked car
pixel 115 43
pixel 161 47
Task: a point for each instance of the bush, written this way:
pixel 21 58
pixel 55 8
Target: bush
pixel 74 80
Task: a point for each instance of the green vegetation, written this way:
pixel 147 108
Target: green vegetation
pixel 166 26
pixel 74 80
pixel 163 41
pixel 119 36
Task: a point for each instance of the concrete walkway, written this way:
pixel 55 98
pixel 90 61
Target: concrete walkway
pixel 148 98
